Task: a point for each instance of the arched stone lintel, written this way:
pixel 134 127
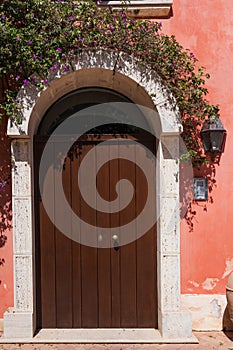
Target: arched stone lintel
pixel 111 69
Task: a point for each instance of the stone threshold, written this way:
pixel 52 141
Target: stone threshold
pixel 100 336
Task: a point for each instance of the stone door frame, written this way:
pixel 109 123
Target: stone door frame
pixel 122 73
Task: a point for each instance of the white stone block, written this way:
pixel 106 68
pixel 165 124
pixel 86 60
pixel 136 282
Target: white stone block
pixel 169 216
pixel 169 283
pixel 22 225
pixel 18 325
pixel 23 283
pixel 176 324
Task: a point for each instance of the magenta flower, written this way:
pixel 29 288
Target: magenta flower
pixel 17 77
pixel 71 18
pixel 17 39
pixel 65 68
pixel 34 57
pixel 192 54
pixel 3 16
pixel 46 81
pixel 26 82
pixel 80 39
pixel 111 27
pixel 59 49
pixel 54 68
pixel 29 42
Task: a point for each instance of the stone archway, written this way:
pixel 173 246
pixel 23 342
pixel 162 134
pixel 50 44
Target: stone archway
pixel 124 74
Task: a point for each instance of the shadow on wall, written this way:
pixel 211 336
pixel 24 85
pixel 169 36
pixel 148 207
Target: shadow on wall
pixel 5 189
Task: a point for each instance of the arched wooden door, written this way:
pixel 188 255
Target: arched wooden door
pixel 87 287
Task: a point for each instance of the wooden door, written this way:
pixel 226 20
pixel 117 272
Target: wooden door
pixel 86 287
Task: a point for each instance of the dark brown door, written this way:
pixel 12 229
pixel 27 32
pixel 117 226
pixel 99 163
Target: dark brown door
pixel 86 287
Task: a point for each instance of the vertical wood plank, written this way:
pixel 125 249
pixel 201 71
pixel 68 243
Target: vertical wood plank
pixel 64 258
pixel 47 251
pixel 128 253
pixel 89 259
pixel 104 254
pixel 115 253
pixel 76 247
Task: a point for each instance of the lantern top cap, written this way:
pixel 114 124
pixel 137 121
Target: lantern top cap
pixel 213 124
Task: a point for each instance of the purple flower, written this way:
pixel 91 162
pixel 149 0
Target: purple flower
pixel 26 82
pixel 133 21
pixel 80 39
pixel 40 57
pixel 94 42
pixel 17 77
pixel 46 81
pixel 64 55
pixel 20 68
pixel 29 42
pixel 17 39
pixel 59 49
pixel 71 18
pixel 110 7
pixel 54 68
pixel 192 54
pixel 99 2
pixel 3 16
pixel 123 15
pixel 34 57
pixel 65 68
pixel 111 27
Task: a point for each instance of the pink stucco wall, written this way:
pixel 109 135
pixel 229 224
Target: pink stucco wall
pixel 206 28
pixel 6 250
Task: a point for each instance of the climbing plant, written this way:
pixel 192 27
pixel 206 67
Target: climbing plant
pixel 37 36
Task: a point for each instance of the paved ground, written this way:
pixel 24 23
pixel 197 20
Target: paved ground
pixel 207 341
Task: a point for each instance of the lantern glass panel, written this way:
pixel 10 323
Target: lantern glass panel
pixel 216 141
pixel 206 141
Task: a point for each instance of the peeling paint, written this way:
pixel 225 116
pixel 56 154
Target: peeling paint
pixel 210 283
pixel 217 310
pixel 194 283
pixel 229 268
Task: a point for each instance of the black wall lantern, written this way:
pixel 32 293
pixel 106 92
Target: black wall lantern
pixel 213 136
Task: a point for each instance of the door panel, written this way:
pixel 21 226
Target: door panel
pixel 86 287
